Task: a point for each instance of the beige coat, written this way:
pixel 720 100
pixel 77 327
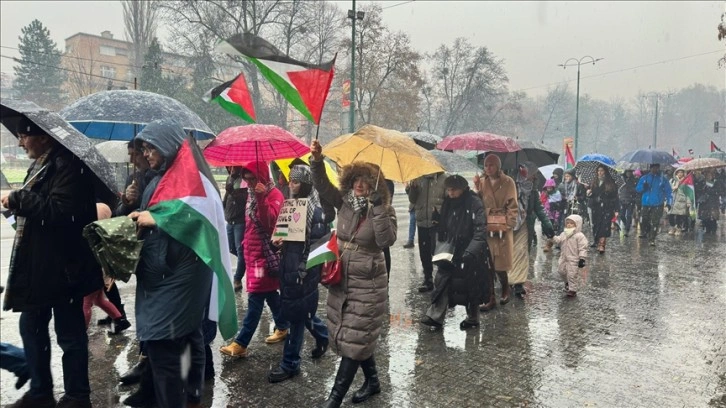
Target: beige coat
pixel 502 194
pixel 356 307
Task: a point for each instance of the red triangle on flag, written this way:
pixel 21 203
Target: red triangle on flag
pixel 240 94
pixel 313 86
pixel 182 178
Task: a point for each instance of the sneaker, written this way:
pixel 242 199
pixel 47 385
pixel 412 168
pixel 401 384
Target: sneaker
pixel 671 231
pixel 408 245
pixel 678 232
pixel 234 350
pixel 277 336
pixel 466 324
pixel 277 375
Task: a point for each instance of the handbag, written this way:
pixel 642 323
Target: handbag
pixel 332 272
pixel 443 253
pixel 497 221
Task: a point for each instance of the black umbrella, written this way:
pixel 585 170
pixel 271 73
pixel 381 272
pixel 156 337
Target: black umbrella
pixel 454 163
pixel 424 139
pixel 12 110
pixel 534 152
pixel 121 114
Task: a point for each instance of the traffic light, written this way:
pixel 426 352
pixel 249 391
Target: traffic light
pixel 715 127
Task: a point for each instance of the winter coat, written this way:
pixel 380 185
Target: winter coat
pixel 464 224
pixel 357 305
pixel 173 283
pixel 235 201
pixel 259 279
pixel 680 199
pixel 627 194
pixel 53 263
pixel 658 190
pixel 604 203
pixel 501 195
pixel 299 285
pixel 573 248
pixel 707 198
pixel 535 211
pixel 426 193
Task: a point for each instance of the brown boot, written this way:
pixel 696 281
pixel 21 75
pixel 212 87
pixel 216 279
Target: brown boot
pixel 601 245
pixel 485 307
pixel 504 280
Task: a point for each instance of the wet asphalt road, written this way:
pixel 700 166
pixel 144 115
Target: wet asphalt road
pixel 648 330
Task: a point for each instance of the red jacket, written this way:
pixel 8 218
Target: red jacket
pixel 268 207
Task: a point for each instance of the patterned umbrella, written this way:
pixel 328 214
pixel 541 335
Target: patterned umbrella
pixel 481 141
pixel 237 146
pixel 114 243
pixel 702 164
pixel 586 172
pixel 424 139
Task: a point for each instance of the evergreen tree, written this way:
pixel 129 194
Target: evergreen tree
pixel 152 79
pixel 39 76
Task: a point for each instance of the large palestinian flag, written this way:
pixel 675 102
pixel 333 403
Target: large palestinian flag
pixel 187 206
pixel 687 187
pixel 302 84
pixel 234 97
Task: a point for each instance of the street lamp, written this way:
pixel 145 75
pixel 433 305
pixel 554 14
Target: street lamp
pixel 657 96
pixel 577 103
pixel 353 16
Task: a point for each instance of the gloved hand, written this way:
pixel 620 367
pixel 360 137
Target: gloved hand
pixel 581 263
pixel 435 216
pixel 376 199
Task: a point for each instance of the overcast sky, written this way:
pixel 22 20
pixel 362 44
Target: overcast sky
pixel 646 46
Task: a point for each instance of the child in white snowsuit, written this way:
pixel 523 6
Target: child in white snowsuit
pixel 573 245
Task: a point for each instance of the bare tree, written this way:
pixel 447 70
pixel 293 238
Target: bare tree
pixel 722 37
pixel 140 26
pixel 81 78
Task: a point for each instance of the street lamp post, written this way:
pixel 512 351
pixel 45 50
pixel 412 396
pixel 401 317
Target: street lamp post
pixel 657 96
pixel 571 63
pixel 353 15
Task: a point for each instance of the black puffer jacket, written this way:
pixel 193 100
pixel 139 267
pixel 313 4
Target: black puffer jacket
pixel 235 201
pixel 54 263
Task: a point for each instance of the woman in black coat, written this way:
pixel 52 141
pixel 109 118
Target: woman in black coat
pixel 603 195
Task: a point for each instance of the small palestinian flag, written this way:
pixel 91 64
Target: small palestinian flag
pixel 569 158
pixel 714 148
pixel 234 97
pixel 302 84
pixel 280 231
pixel 324 250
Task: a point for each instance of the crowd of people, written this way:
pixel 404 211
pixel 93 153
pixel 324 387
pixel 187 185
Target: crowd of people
pixel 470 236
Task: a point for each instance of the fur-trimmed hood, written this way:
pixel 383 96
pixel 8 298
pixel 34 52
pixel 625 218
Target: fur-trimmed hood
pixel 370 171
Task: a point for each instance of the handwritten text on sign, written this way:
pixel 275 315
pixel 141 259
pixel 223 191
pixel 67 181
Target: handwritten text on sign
pixel 292 221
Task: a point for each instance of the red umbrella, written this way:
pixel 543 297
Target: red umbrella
pixel 239 145
pixel 481 141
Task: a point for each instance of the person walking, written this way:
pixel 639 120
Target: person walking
pixel 235 203
pixel 261 260
pixel 627 197
pixel 708 191
pixel 459 282
pixel 680 210
pixel 298 284
pixel 656 191
pixel 573 255
pixel 498 193
pixel 356 306
pixel 603 201
pixel 51 266
pixel 427 193
pixel 411 222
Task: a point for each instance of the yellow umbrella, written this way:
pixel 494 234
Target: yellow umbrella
pixel 400 158
pixel 284 165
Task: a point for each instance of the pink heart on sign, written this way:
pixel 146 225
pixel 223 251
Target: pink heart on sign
pixel 296 217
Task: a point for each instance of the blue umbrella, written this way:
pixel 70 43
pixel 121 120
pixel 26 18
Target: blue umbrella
pixel 648 156
pixel 121 114
pixel 597 157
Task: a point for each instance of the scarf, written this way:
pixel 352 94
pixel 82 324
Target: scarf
pixel 570 190
pixel 358 204
pixel 252 201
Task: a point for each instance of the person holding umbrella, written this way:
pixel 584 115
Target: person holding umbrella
pixel 603 196
pixel 51 266
pixel 356 306
pixel 656 191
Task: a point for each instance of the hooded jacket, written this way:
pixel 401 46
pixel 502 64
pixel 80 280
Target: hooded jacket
pixel 356 306
pixel 426 193
pixel 259 279
pixel 655 189
pixel 680 200
pixel 173 283
pixel 574 247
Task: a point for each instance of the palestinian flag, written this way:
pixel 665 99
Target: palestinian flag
pixel 687 188
pixel 187 206
pixel 302 84
pixel 569 158
pixel 714 148
pixel 234 97
pixel 324 250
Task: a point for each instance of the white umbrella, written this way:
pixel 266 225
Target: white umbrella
pixel 115 151
pixel 549 169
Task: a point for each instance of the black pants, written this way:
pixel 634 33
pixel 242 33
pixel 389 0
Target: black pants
pixel 165 358
pixel 679 221
pixel 115 297
pixel 426 245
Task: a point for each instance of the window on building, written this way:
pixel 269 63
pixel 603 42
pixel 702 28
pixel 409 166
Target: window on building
pixel 108 72
pixel 121 52
pixel 69 49
pixel 106 50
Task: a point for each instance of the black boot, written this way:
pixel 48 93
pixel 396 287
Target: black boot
pixel 144 396
pixel 133 376
pixel 428 283
pixel 371 386
pixel 119 325
pixel 346 372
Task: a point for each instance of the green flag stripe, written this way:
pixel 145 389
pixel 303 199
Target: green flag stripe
pixel 202 237
pixel 233 108
pixel 283 86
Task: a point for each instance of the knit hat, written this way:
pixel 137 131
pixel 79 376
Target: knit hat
pixel 456 182
pixel 637 173
pixel 550 183
pixel 301 173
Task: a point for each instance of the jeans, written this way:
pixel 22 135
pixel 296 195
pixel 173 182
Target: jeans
pixel 411 225
pixel 13 359
pixel 255 304
pixel 296 337
pixel 626 215
pixel 165 359
pixel 426 245
pixel 70 330
pixel 235 235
